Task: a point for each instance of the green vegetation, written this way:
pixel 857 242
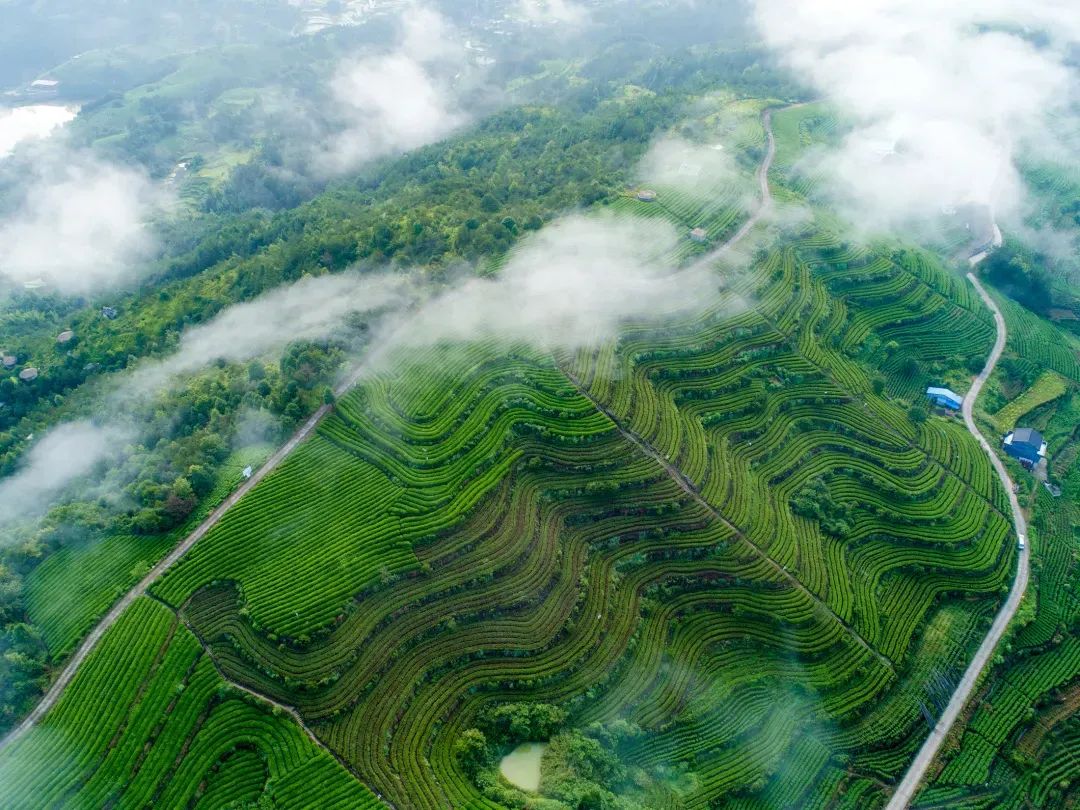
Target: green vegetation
pixel 1049 386
pixel 542 558
pixel 1021 276
pixel 553 165
pixel 725 559
pixel 148 720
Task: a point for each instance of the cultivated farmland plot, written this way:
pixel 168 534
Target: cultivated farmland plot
pixel 721 548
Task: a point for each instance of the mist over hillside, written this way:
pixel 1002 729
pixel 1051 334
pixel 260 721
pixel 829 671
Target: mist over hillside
pixel 612 404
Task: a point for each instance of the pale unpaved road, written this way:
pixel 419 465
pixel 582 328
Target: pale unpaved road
pixel 765 203
pixel 68 672
pixel 914 776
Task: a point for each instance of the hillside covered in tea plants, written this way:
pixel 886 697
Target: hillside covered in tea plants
pixel 732 559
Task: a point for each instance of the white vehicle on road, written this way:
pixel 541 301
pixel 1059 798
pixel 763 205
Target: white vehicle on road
pixel 1022 542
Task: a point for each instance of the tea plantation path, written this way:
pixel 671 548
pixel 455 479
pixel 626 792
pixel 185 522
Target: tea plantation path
pixel 915 773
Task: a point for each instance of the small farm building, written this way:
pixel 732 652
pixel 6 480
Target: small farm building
pixel 108 312
pixel 1025 445
pixel 28 374
pixel 10 361
pixel 699 235
pixel 945 398
pixel 646 196
pixel 65 336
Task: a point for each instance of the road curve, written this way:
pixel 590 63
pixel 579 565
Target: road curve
pixel 905 792
pixel 95 635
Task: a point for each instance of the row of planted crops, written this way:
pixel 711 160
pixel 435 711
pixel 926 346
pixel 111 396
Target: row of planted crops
pixel 724 534
pixel 149 722
pixel 612 531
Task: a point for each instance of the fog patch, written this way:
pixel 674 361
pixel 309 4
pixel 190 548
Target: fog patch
pixel 395 102
pixel 944 96
pixel 565 12
pixel 682 165
pixel 572 283
pixel 82 224
pixel 65 454
pixel 256 427
pixel 314 308
pixel 18 124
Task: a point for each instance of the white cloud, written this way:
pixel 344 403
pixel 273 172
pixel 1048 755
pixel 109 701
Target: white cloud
pixel 20 124
pixel 82 225
pixel 64 454
pixel 677 163
pixel 572 283
pixel 398 101
pixel 313 308
pixel 944 96
pixel 428 37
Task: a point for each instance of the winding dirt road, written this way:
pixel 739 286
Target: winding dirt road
pixel 905 792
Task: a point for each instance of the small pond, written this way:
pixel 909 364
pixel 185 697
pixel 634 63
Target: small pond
pixel 521 767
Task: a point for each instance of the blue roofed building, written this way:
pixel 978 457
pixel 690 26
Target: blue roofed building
pixel 945 398
pixel 1026 445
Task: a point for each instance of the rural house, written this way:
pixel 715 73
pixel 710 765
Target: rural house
pixel 1026 445
pixel 945 398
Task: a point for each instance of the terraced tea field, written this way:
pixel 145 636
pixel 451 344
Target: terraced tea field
pixel 1018 746
pixel 718 550
pixel 616 532
pixel 149 722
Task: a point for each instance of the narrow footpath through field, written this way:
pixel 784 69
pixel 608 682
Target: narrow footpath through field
pixel 765 201
pixel 905 792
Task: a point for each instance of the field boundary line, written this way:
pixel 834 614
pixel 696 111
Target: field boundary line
pixel 913 778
